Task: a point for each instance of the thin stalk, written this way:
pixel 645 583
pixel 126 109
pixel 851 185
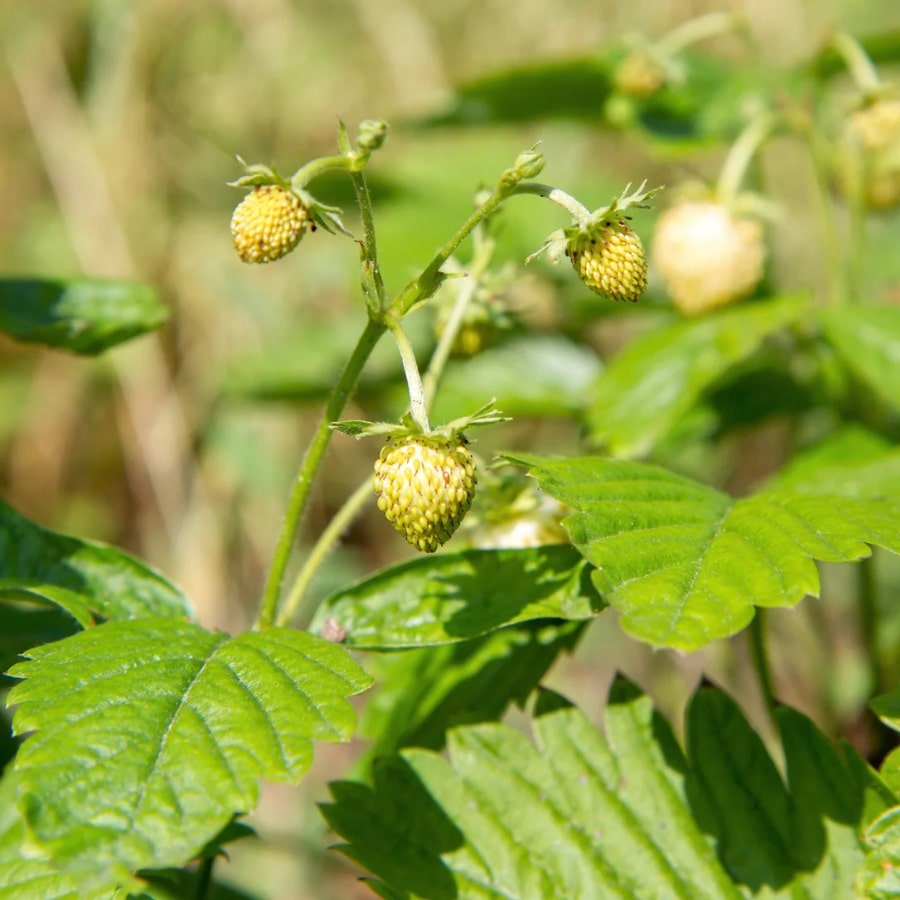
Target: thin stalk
pixel 695 30
pixel 428 281
pixel 481 258
pixel 372 281
pixel 204 878
pixel 310 465
pixel 866 598
pixel 448 336
pixel 417 406
pixel 861 68
pixel 831 241
pixel 740 156
pixel 580 213
pixel 305 174
pixel 327 539
pixel 856 234
pixel 761 663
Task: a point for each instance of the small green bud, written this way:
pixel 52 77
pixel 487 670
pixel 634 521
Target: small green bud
pixel 372 134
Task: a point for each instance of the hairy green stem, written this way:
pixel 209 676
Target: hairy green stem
pixel 310 465
pixel 417 407
pixel 327 539
pixel 760 653
pixel 305 174
pixel 580 213
pixel 370 272
pixel 429 280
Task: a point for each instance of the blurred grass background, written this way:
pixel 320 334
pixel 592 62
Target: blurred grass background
pixel 121 121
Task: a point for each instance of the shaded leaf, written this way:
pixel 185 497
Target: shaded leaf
pixel 628 815
pixel 686 564
pixel 86 579
pixel 150 735
pixel 458 596
pixel 24 625
pixel 83 315
pixel 867 339
pixel 568 89
pixel 852 463
pixel 421 693
pixel 528 376
pixel 650 386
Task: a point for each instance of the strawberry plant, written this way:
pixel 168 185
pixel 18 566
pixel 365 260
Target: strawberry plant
pixel 142 736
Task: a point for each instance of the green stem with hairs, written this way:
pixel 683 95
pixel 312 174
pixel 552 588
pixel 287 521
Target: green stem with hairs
pixel 578 211
pixel 417 405
pixel 315 167
pixel 310 465
pixel 327 539
pixel 694 30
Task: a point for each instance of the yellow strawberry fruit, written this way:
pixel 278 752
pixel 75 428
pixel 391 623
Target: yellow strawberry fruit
pixel 268 223
pixel 425 485
pixel 610 259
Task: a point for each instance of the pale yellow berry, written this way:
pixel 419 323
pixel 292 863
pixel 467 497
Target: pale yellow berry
pixel 875 131
pixel 424 487
pixel 610 259
pixel 268 223
pixel 706 256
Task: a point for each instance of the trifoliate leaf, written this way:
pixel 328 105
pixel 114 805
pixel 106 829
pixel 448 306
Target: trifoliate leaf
pixel 83 315
pixel 421 693
pixel 150 735
pixel 647 389
pixel 624 814
pixel 686 564
pixel 86 579
pixel 458 596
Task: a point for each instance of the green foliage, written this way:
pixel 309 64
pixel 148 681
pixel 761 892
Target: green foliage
pixel 630 815
pixel 458 596
pixel 82 315
pixel 646 390
pixel 87 580
pixel 686 564
pixel 421 693
pixel 150 735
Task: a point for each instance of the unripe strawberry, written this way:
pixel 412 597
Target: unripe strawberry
pixel 875 131
pixel 425 485
pixel 268 223
pixel 706 256
pixel 609 258
pixel 639 75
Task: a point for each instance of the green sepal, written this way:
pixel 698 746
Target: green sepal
pixel 486 415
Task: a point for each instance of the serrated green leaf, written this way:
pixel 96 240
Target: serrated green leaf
pixel 150 735
pixel 627 815
pixel 458 596
pixel 86 579
pixel 24 625
pixel 867 339
pixel 28 876
pixel 646 390
pixel 421 693
pixel 83 315
pixel 534 375
pixel 686 564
